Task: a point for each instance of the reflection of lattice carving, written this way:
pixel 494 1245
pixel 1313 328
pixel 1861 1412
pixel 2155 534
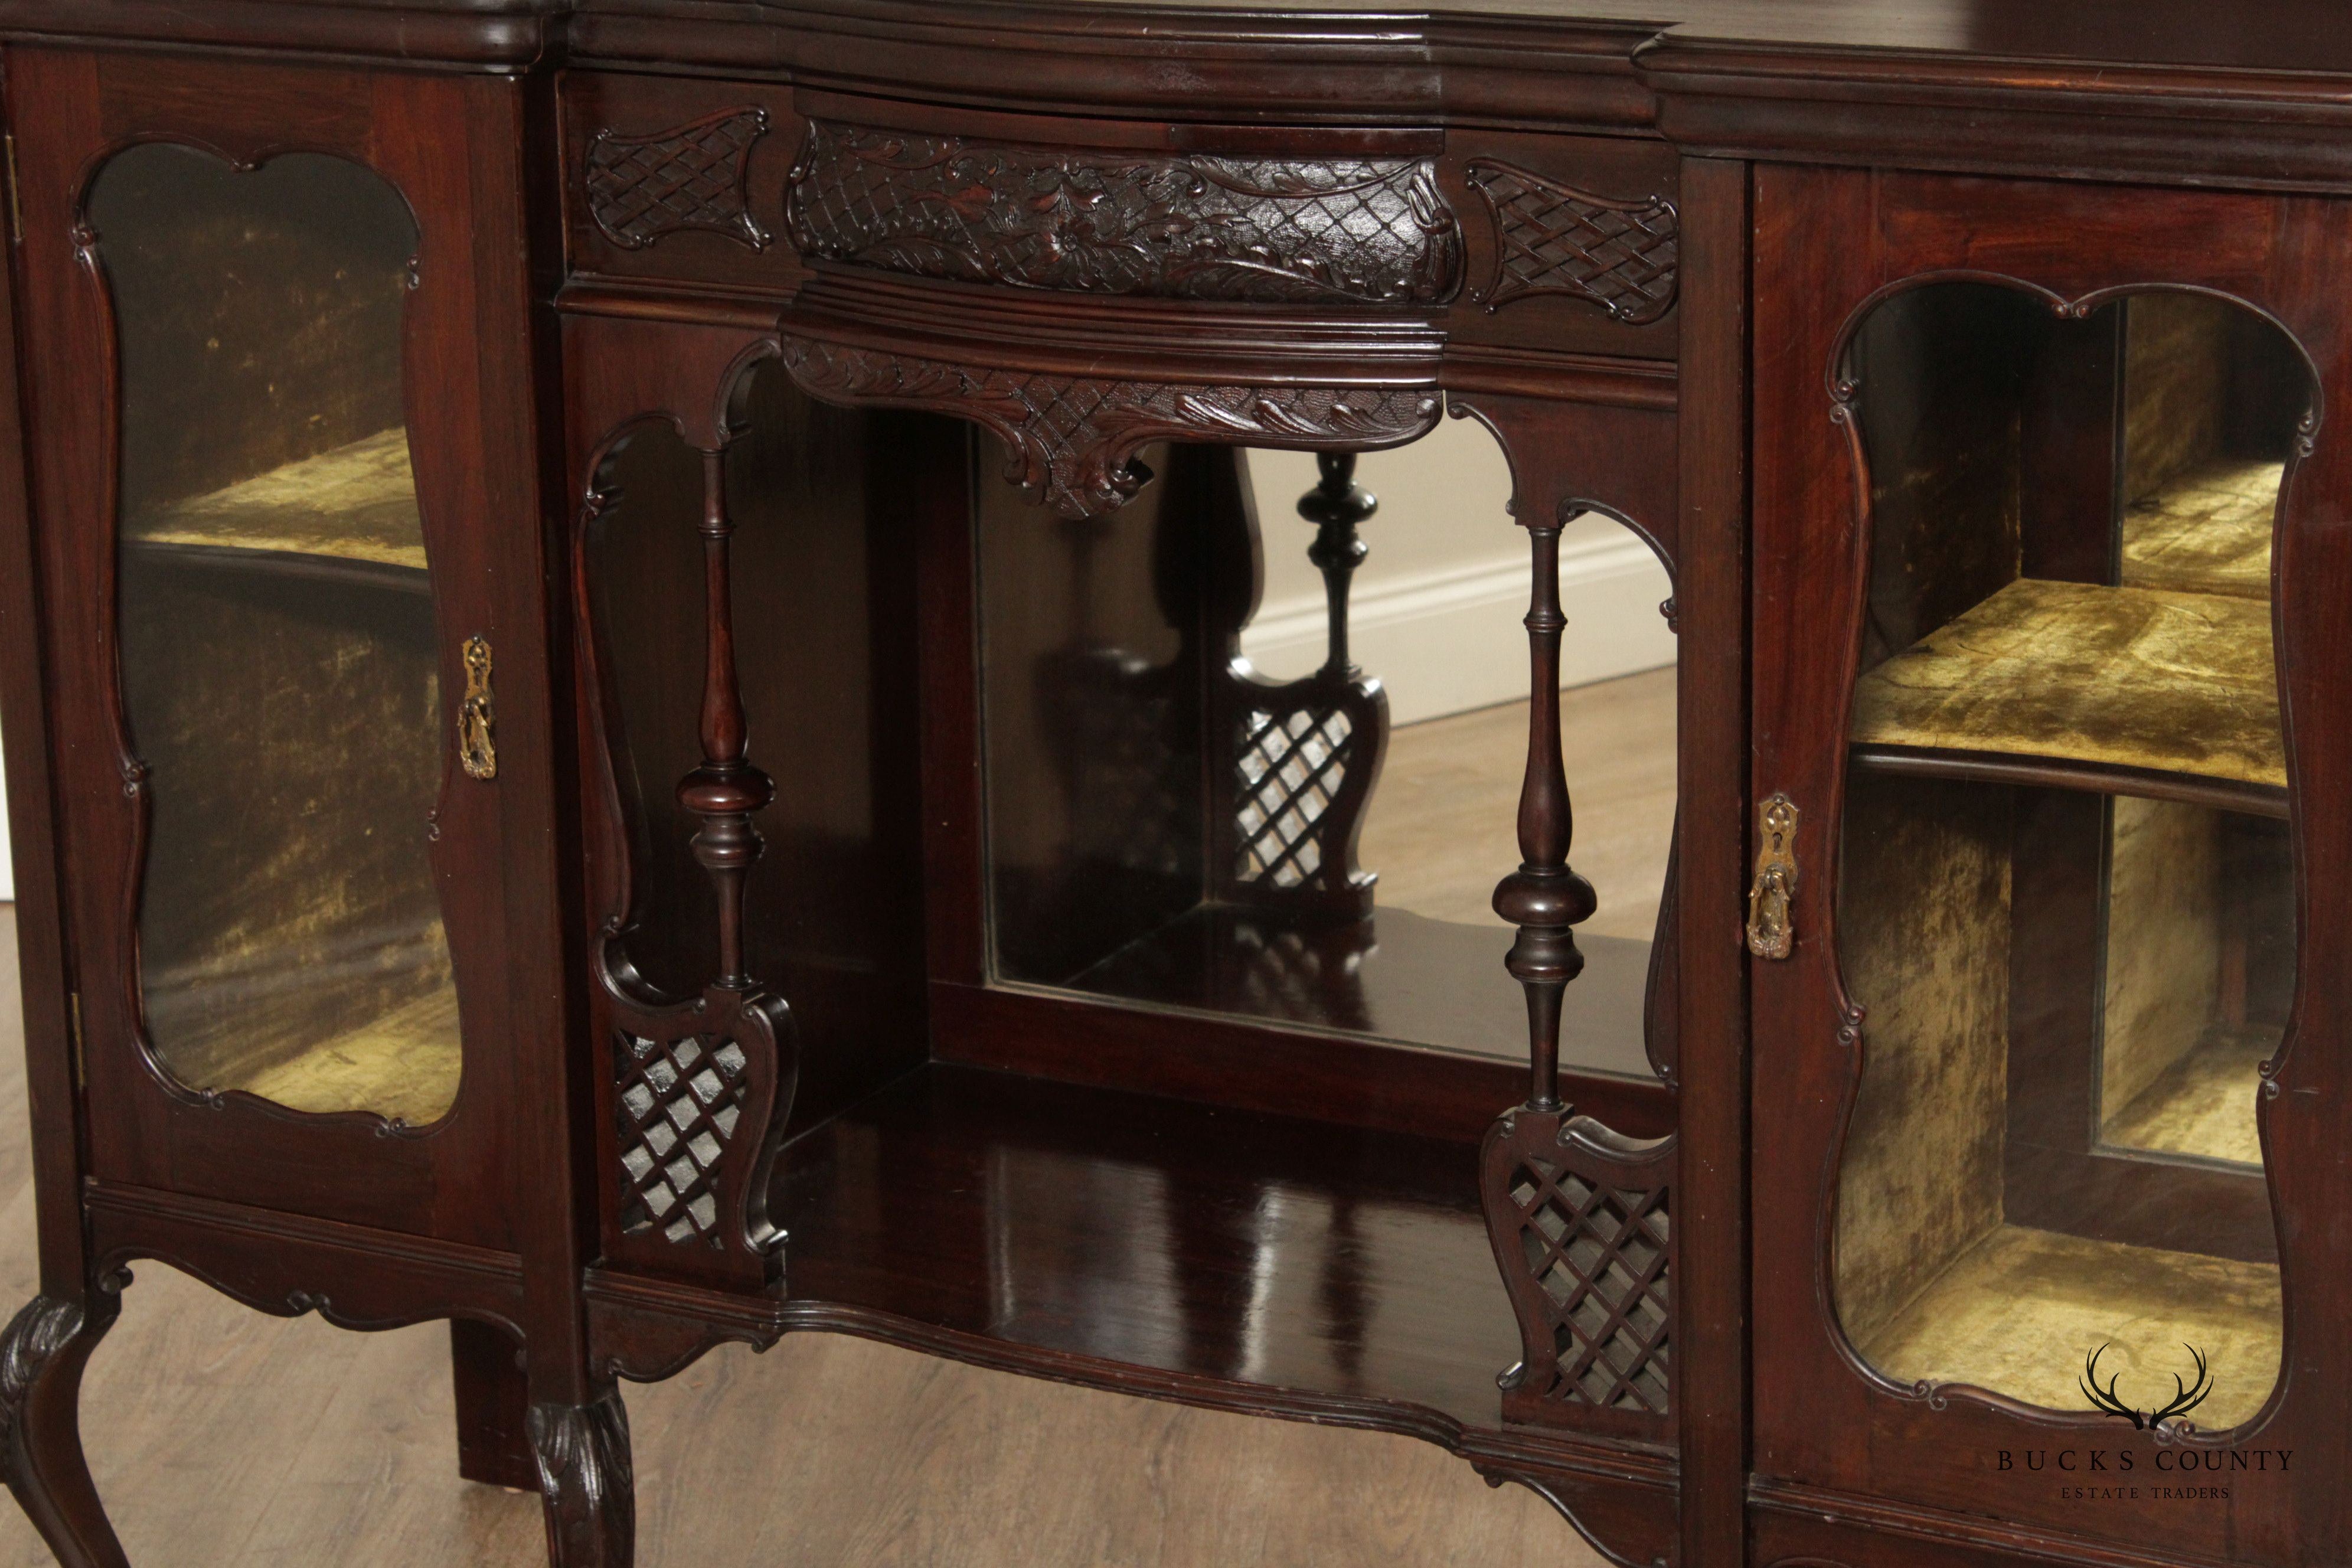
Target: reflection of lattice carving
pixel 679 1104
pixel 1579 1221
pixel 1359 231
pixel 1290 772
pixel 694 176
pixel 1552 238
pixel 1134 799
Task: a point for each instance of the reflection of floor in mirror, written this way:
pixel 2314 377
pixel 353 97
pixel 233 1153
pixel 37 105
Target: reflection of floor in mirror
pixel 1442 828
pixel 219 1436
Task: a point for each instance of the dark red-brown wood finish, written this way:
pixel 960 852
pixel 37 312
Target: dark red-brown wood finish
pixel 728 319
pixel 1829 244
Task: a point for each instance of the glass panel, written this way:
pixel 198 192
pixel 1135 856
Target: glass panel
pixel 278 657
pixel 1173 757
pixel 2066 899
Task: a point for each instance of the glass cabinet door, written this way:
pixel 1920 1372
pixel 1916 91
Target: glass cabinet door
pixel 2065 903
pixel 278 653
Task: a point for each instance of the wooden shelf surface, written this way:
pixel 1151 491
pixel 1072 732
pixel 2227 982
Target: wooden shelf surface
pixel 1398 976
pixel 1247 1248
pixel 356 503
pixel 2134 680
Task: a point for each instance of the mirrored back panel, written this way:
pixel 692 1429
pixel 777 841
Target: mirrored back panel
pixel 1254 745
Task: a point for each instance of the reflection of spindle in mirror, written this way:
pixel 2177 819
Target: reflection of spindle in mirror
pixel 1306 753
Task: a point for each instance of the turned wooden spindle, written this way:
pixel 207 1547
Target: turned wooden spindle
pixel 1336 506
pixel 725 790
pixel 1544 898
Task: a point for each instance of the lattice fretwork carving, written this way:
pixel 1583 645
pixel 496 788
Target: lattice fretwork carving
pixel 1371 231
pixel 1291 769
pixel 1306 754
pixel 692 176
pixel 1073 438
pixel 680 1104
pixel 1581 1228
pixel 1552 238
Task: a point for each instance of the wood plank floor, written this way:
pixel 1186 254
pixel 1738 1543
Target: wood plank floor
pixel 220 1437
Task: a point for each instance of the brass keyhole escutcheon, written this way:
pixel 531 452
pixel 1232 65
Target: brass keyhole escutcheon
pixel 478 746
pixel 1770 931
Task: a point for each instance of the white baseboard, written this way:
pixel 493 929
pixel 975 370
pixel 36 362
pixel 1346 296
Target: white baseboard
pixel 1454 640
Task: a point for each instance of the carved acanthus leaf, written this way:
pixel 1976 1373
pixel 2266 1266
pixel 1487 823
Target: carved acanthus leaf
pixel 1074 439
pixel 585 1480
pixel 45 1326
pixel 1366 231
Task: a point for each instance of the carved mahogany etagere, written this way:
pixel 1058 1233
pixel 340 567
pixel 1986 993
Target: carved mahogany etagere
pixel 554 549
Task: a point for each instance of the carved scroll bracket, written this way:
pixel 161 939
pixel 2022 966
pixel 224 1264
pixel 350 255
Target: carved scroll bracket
pixel 1074 439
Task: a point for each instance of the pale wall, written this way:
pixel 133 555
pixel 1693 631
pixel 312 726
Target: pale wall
pixel 1439 602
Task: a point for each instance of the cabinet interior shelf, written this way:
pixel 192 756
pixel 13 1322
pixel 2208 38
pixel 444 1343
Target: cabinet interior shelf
pixel 2019 1311
pixel 2123 689
pixel 1107 1226
pixel 350 512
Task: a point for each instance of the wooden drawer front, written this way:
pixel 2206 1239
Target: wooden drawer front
pixel 1330 228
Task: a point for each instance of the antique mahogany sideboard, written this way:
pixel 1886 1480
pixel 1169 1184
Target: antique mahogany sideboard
pixel 618 635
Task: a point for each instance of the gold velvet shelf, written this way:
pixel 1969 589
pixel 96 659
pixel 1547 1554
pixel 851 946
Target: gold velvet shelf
pixel 355 505
pixel 2133 691
pixel 2203 1105
pixel 2208 531
pixel 404 1064
pixel 2018 1311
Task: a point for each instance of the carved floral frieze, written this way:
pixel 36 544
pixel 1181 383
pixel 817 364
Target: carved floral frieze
pixel 1259 230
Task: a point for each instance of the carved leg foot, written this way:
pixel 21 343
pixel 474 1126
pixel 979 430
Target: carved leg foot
pixel 585 1484
pixel 41 1359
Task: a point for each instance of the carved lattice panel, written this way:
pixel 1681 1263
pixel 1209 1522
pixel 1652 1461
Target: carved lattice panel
pixel 690 177
pixel 1580 1222
pixel 679 1103
pixel 1291 769
pixel 1552 238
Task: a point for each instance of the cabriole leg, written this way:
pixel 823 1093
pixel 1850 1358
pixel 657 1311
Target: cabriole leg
pixel 41 1359
pixel 585 1483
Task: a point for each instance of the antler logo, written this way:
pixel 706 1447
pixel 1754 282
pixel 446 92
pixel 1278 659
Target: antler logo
pixel 2186 1397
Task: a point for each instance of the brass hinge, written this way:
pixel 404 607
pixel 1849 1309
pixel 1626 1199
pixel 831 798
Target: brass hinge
pixel 1769 933
pixel 15 203
pixel 73 1028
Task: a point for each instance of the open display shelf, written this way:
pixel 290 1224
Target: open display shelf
pixel 1395 975
pixel 1322 1261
